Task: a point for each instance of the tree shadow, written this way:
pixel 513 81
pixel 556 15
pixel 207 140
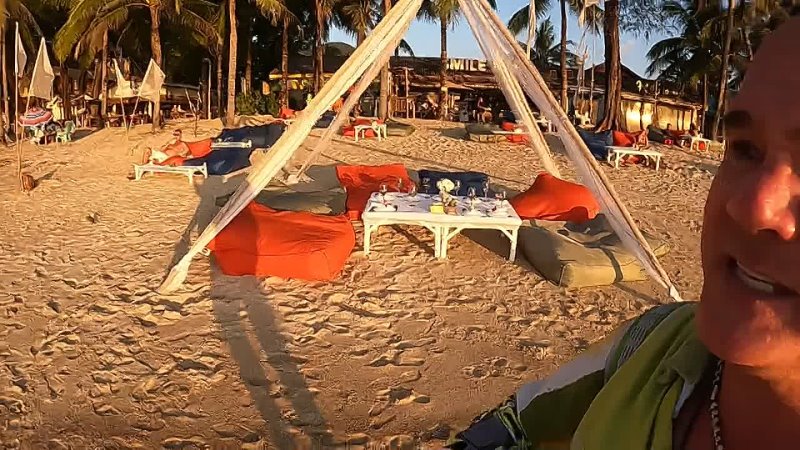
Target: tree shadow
pixel 267 369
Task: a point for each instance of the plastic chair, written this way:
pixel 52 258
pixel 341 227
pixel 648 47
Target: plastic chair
pixel 65 135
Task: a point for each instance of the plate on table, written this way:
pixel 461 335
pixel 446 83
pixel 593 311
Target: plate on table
pixel 473 213
pixel 380 207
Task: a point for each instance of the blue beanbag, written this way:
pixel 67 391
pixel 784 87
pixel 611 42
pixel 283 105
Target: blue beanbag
pixel 223 161
pixel 262 136
pixel 467 179
pixel 597 142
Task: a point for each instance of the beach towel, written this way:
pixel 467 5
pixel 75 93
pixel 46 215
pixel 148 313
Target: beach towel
pixel 551 198
pixel 297 245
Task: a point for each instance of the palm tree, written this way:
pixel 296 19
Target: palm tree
pixel 89 20
pixel 545 51
pixel 692 56
pixel 723 75
pixel 520 21
pixel 613 90
pixel 357 17
pixel 274 10
pixel 446 12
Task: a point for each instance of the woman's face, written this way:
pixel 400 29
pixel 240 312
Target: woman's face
pixel 750 308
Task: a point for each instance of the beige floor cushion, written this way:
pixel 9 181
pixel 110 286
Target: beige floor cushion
pixel 582 256
pixel 331 202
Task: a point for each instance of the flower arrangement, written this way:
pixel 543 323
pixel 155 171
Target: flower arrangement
pixel 446 186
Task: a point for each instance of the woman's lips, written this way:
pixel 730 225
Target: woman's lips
pixel 759 282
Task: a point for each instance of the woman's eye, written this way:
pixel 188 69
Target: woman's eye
pixel 744 150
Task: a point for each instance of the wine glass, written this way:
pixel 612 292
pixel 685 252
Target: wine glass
pixel 384 189
pixel 413 190
pixel 457 188
pixel 486 189
pixel 426 185
pixel 471 194
pixel 399 184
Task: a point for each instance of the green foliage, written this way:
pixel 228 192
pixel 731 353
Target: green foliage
pixel 256 103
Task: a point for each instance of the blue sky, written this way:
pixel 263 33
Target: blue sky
pixel 424 38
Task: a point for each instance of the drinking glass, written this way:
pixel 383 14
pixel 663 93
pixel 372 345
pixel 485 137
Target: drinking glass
pixel 426 185
pixel 383 191
pixel 471 193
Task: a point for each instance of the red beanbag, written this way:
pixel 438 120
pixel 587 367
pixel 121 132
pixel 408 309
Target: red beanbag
pixel 199 149
pixel 172 161
pixel 507 126
pixel 351 132
pixel 361 182
pixel 622 139
pixel 551 198
pixel 286 113
pixel 263 242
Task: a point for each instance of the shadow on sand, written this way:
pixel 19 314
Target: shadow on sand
pixel 267 369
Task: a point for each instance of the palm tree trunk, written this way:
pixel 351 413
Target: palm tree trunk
pixel 383 105
pixel 155 48
pixel 285 63
pixel 443 22
pixel 104 78
pixel 66 91
pixel 5 111
pixel 248 65
pixel 319 45
pixel 723 76
pixel 230 111
pixel 613 100
pixel 564 73
pixel 702 125
pixel 219 80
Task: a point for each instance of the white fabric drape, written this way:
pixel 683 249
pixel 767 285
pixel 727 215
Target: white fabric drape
pixel 389 31
pixel 514 72
pixel 501 45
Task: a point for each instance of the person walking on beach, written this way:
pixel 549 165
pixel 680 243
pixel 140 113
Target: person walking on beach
pixel 719 374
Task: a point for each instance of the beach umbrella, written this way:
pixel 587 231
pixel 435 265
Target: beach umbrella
pixel 35 116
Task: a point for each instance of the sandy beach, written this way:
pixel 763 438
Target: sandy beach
pixel 402 348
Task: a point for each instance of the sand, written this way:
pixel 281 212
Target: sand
pixel 401 349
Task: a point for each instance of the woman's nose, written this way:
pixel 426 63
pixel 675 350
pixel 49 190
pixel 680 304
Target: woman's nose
pixel 767 201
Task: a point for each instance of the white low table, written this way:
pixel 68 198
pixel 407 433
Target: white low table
pixel 615 154
pixel 416 211
pixel 361 131
pixel 189 171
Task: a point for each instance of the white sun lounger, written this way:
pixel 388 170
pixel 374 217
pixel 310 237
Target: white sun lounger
pixel 188 171
pixel 245 144
pixel 615 154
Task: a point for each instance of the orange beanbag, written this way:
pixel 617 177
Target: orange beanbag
pixel 551 198
pixel 361 182
pixel 172 161
pixel 263 242
pixel 286 113
pixel 351 132
pixel 199 149
pixel 622 139
pixel 508 126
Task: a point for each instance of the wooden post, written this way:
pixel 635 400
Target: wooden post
pixel 104 79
